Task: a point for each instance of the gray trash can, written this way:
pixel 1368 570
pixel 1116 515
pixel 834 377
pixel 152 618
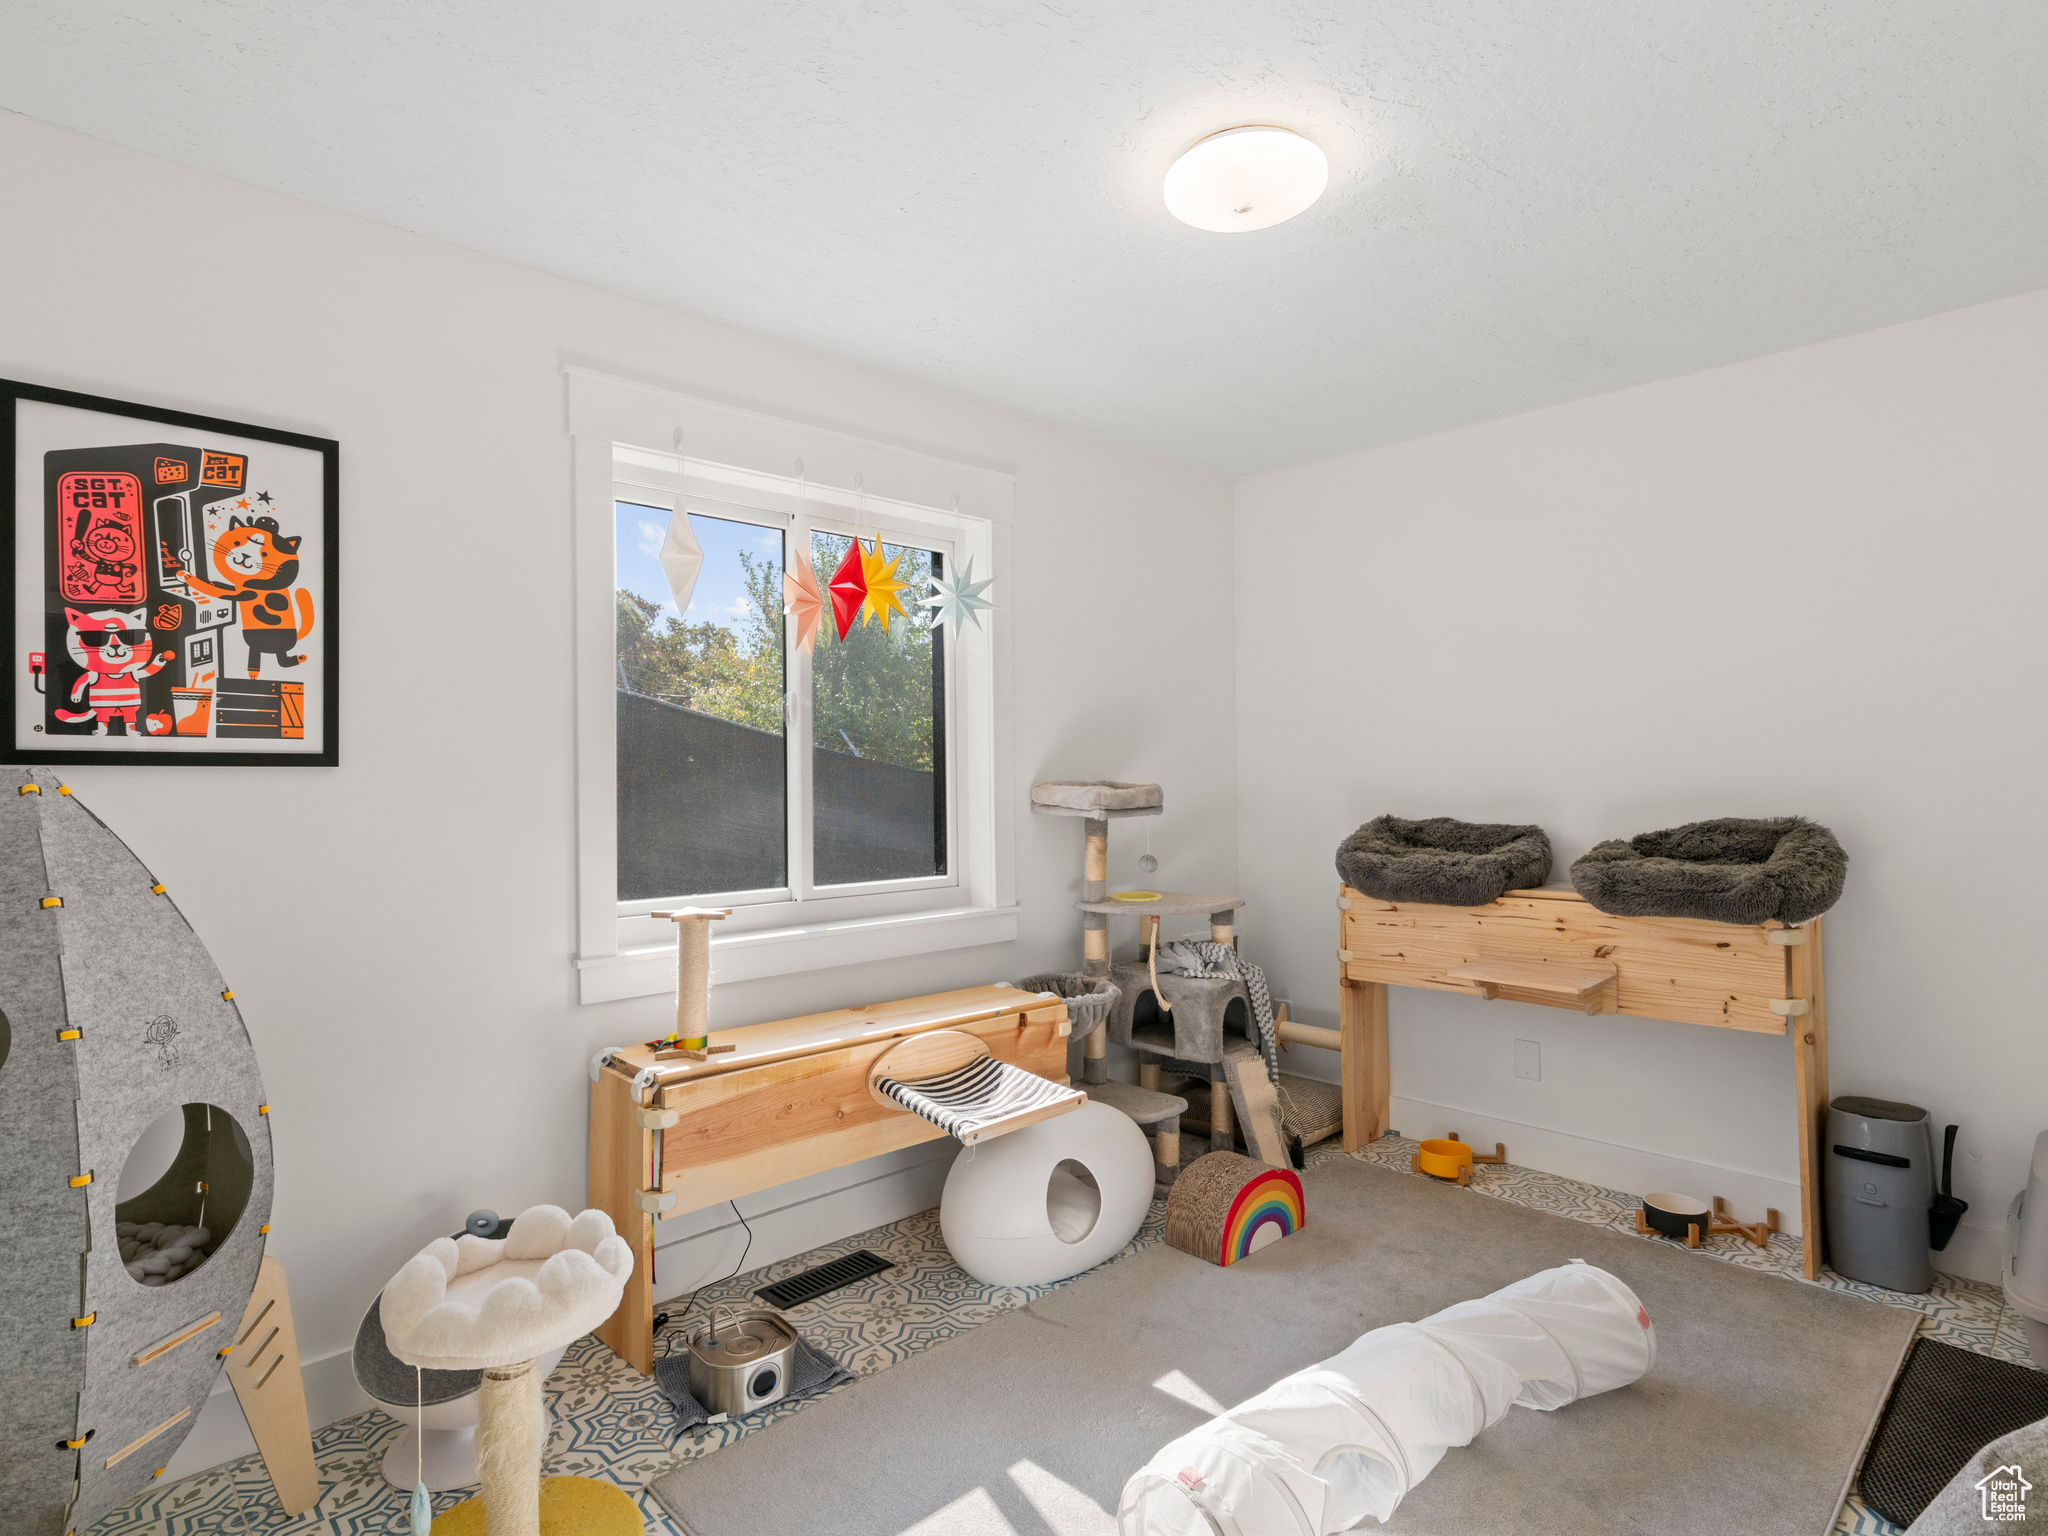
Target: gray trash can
pixel 1879 1188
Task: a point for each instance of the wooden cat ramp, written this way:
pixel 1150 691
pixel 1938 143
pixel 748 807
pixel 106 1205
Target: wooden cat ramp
pixel 949 1078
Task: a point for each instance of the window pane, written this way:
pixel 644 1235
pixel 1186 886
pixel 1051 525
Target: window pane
pixel 701 763
pixel 878 758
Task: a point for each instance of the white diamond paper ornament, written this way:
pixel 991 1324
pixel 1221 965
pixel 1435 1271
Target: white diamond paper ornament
pixel 681 558
pixel 956 595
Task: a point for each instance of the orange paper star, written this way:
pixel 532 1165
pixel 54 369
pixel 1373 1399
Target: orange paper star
pixel 802 601
pixel 883 587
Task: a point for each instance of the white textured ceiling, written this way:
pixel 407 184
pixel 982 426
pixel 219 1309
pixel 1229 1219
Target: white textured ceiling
pixel 1528 202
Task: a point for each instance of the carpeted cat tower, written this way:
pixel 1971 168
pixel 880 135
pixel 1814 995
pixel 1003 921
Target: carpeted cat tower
pixel 1180 1026
pixel 478 1304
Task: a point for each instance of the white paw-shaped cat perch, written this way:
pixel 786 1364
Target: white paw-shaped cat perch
pixel 473 1304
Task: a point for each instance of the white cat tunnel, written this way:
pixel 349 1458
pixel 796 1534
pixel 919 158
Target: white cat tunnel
pixel 1346 1440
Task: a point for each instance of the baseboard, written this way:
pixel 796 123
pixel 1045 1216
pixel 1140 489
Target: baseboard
pixel 693 1250
pixel 689 1250
pixel 1976 1252
pixel 1610 1164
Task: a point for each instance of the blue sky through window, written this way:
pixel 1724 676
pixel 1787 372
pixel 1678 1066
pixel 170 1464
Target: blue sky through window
pixel 719 598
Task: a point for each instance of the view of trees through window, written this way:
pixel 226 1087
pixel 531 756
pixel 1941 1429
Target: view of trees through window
pixel 701 805
pixel 878 764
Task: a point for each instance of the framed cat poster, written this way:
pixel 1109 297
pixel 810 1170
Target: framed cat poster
pixel 168 584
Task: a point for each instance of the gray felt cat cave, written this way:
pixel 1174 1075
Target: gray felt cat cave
pixel 135 1173
pixel 1732 870
pixel 1443 862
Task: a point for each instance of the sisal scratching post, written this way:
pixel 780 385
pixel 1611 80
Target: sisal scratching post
pixel 1095 887
pixel 693 972
pixel 1095 941
pixel 1222 1126
pixel 508 1449
pixel 481 1304
pixel 1166 1146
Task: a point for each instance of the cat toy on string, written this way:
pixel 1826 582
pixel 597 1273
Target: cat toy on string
pixel 422 1505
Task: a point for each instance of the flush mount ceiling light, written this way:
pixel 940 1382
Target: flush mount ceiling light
pixel 1246 178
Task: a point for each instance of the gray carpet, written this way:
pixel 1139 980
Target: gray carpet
pixel 1762 1397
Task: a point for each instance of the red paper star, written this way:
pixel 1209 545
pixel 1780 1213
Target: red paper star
pixel 849 589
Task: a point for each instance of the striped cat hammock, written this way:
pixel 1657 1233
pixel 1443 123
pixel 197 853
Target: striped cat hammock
pixel 949 1078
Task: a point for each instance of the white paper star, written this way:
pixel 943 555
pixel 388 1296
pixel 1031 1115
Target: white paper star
pixel 681 558
pixel 957 595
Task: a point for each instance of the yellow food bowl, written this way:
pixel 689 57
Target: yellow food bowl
pixel 1134 896
pixel 1443 1159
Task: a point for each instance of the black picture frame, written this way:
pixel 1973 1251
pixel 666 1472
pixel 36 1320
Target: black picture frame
pixel 204 470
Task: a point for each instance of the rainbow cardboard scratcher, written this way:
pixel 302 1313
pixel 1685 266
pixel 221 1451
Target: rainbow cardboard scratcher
pixel 1225 1207
pixel 131 1111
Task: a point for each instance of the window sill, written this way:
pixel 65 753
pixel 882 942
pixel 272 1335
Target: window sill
pixel 769 952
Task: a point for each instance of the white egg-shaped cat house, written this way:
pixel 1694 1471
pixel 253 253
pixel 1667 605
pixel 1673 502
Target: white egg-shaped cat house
pixel 1049 1200
pixel 120 1049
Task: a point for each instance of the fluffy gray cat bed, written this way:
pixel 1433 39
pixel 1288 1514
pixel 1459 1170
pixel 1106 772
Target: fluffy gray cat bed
pixel 1735 870
pixel 1443 862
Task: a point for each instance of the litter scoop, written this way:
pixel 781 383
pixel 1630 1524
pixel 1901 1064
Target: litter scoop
pixel 1948 1210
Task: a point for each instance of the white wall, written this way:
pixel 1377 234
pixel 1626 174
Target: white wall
pixel 1812 584
pixel 398 930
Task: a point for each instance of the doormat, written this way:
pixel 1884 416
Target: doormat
pixel 1948 1405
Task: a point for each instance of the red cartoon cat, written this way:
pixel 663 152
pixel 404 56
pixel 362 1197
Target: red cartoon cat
pixel 259 565
pixel 112 648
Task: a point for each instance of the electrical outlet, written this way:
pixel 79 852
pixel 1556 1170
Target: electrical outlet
pixel 1529 1060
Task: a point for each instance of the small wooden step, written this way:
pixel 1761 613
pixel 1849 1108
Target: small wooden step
pixel 1592 986
pixel 1144 1106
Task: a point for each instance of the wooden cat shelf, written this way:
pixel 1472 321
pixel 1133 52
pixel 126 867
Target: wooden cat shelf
pixel 673 1132
pixel 1552 948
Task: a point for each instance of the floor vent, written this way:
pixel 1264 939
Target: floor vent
pixel 823 1280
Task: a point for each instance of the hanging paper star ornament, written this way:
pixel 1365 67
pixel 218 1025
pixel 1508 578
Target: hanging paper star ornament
pixel 681 558
pixel 849 588
pixel 885 589
pixel 957 595
pixel 803 602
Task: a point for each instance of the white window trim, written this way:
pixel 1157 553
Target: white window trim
pixel 708 453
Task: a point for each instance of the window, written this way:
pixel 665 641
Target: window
pixel 878 728
pixel 718 713
pixel 845 802
pixel 703 796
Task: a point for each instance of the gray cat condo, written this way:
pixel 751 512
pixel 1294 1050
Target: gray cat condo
pixel 137 1168
pixel 1196 1016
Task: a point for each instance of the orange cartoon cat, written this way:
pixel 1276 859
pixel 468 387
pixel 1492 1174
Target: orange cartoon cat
pixel 259 565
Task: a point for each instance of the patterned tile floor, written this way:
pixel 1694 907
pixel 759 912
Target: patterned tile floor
pixel 612 1423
